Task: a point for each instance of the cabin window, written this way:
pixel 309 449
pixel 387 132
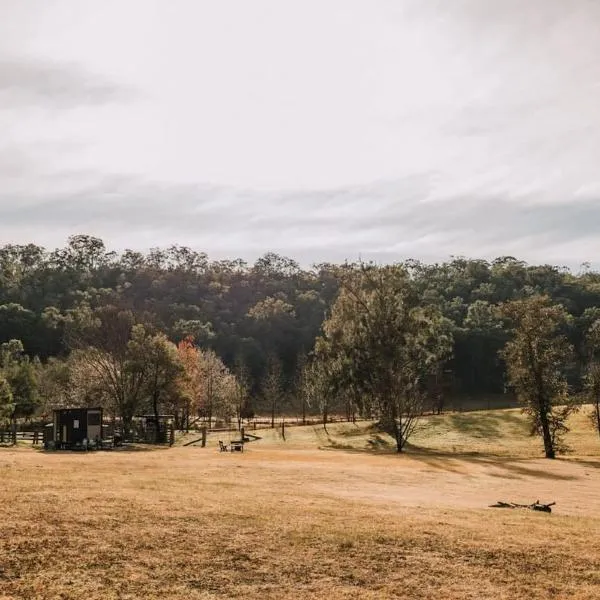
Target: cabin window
pixel 93 418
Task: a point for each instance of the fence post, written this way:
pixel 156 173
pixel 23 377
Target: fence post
pixel 283 429
pixel 204 437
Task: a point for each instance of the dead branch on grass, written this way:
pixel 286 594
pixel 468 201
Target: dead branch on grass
pixel 534 506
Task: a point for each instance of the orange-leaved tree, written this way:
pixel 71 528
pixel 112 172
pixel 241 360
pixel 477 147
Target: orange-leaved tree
pixel 192 379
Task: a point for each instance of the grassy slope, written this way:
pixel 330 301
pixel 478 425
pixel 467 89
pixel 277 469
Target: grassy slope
pixel 497 432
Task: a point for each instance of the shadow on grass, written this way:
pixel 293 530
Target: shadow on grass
pixel 490 425
pixel 585 462
pixel 514 468
pixel 357 431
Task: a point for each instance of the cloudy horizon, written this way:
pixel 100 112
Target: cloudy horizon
pixel 321 130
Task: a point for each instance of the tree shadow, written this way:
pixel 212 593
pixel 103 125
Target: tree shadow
pixel 585 462
pixel 356 431
pixel 505 467
pixel 515 467
pixel 489 425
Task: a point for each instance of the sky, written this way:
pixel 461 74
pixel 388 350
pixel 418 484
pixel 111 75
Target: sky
pixel 324 130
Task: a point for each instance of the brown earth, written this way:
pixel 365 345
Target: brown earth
pixel 292 521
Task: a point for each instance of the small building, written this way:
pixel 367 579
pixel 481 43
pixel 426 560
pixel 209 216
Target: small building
pixel 76 427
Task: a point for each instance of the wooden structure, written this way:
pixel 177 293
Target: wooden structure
pixel 237 445
pixel 74 428
pixel 234 446
pixel 145 428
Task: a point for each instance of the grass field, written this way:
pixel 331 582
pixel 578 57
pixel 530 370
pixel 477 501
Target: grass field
pixel 320 515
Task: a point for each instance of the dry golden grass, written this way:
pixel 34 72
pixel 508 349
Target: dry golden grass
pixel 286 520
pixel 495 432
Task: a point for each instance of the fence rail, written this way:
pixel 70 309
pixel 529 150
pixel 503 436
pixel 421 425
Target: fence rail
pixel 8 437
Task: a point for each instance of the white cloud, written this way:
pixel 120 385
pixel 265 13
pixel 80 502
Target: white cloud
pixel 397 128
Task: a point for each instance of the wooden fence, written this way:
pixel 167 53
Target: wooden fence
pixel 10 437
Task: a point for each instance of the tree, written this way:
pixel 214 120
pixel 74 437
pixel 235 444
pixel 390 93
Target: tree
pixel 300 383
pixel 242 390
pixel 157 358
pixel 99 340
pixel 272 386
pixel 7 406
pixel 191 383
pixel 382 343
pixel 58 384
pixel 322 381
pixel 592 376
pixel 536 359
pixel 218 393
pixel 20 374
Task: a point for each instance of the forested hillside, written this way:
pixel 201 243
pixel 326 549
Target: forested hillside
pixel 251 313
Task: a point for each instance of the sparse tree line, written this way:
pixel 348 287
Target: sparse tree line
pixel 171 331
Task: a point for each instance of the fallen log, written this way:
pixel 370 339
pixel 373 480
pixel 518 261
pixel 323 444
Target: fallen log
pixel 537 505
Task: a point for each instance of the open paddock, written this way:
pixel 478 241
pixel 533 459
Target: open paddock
pixel 289 520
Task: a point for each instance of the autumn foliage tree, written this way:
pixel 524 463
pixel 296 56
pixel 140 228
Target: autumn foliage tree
pixel 191 381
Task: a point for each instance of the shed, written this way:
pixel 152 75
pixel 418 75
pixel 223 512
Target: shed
pixel 74 426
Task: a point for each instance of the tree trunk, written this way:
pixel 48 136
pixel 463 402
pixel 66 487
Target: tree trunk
pixel 597 415
pixel 398 436
pixel 548 444
pixel 127 420
pixel 391 425
pixel 273 414
pixel 156 420
pixel 543 407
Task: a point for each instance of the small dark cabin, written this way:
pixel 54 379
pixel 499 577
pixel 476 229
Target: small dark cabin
pixel 73 426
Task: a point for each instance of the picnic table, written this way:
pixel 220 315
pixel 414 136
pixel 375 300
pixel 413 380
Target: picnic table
pixel 236 445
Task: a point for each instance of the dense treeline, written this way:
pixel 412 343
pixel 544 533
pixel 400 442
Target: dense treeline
pixel 264 317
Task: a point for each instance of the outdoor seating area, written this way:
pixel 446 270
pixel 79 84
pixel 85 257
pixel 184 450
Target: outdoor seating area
pixel 234 446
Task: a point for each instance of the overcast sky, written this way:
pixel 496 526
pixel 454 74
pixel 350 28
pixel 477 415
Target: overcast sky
pixel 321 129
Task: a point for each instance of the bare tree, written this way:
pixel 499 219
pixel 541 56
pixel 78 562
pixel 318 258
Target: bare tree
pixel 100 342
pixel 272 385
pixel 242 389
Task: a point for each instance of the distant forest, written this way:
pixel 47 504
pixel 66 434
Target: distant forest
pixel 247 313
